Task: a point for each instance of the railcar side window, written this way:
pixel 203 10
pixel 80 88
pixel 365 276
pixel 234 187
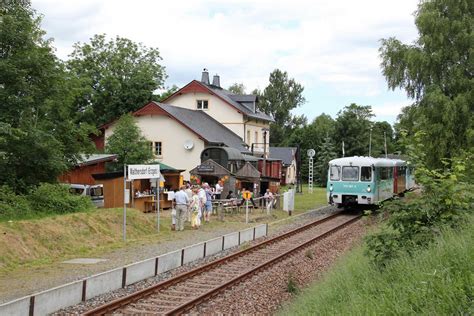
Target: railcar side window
pixel 365 173
pixel 335 173
pixel 385 173
pixel 350 173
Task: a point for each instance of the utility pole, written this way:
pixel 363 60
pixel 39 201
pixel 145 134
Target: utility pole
pixel 370 143
pixel 265 130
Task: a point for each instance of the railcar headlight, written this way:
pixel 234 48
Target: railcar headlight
pixel 331 188
pixel 369 189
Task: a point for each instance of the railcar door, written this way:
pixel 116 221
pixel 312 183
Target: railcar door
pixel 401 179
pixel 384 183
pixel 395 180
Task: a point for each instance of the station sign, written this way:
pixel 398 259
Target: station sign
pixel 143 172
pixel 205 168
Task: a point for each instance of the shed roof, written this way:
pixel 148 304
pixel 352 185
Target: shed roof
pixel 248 172
pixel 285 154
pixel 218 170
pixel 86 160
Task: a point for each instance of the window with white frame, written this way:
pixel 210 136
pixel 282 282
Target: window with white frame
pixel 248 137
pixel 202 104
pixel 156 148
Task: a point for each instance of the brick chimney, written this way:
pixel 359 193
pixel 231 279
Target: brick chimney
pixel 205 76
pixel 216 81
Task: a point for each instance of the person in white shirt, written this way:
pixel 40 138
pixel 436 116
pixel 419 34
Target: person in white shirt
pixel 202 199
pixel 189 192
pixel 219 189
pixel 269 200
pixel 182 201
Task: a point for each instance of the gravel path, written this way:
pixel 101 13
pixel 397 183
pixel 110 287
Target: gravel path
pixel 26 282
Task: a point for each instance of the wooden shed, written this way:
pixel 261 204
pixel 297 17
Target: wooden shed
pixel 142 192
pixel 88 165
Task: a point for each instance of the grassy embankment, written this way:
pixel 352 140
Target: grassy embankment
pixel 435 281
pixel 307 201
pixel 39 241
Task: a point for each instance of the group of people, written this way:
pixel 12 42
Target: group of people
pixel 193 203
pixel 268 197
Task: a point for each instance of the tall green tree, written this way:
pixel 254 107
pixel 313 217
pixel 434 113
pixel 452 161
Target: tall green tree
pixel 39 138
pixel 117 76
pixel 437 72
pixel 406 122
pixel 310 136
pixel 352 126
pixel 128 143
pixel 237 88
pixel 165 94
pixel 278 99
pixel 325 153
pixel 382 133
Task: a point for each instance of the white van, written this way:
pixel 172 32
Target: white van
pixel 95 192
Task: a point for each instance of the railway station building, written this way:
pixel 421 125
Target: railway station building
pixel 200 124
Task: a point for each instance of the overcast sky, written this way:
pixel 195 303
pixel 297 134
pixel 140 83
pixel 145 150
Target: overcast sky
pixel 329 46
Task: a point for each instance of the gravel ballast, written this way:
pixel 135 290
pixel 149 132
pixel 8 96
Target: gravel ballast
pixel 266 291
pixel 335 250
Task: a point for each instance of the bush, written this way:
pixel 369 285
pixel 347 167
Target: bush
pixel 446 198
pixel 55 198
pixel 12 205
pixel 434 281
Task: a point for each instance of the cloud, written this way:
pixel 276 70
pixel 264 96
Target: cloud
pixel 316 41
pixel 390 108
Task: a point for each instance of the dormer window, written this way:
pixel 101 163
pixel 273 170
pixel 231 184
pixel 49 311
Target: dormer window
pixel 202 104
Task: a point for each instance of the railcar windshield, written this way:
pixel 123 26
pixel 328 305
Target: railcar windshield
pixel 365 173
pixel 335 173
pixel 350 173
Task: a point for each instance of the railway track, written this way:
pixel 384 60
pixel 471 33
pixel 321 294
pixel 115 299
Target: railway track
pixel 183 292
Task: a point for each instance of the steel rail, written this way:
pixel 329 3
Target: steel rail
pixel 190 304
pixel 123 301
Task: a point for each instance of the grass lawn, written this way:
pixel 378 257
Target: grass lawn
pixel 435 281
pixel 41 241
pixel 310 201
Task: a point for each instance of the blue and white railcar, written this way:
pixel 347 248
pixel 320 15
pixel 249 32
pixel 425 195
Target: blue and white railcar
pixel 364 180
